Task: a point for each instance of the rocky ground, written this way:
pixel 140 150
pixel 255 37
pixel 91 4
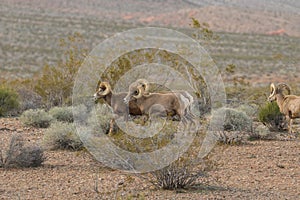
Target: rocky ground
pixel 256 170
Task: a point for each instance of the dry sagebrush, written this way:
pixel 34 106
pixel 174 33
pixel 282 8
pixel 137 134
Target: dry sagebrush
pixel 19 155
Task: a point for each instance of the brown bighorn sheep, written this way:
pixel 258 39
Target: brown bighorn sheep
pixel 289 105
pixel 168 103
pixel 115 101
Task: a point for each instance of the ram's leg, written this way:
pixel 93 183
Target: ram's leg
pixel 290 126
pixel 289 123
pixel 111 126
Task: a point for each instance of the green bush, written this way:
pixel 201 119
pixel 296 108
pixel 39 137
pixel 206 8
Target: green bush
pixel 36 118
pixel 233 120
pixel 55 85
pixel 61 135
pixel 269 114
pixel 18 155
pixel 63 114
pixel 8 101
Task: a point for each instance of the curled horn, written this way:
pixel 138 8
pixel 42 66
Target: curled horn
pixel 105 87
pixel 283 85
pixel 139 92
pixel 144 83
pixel 273 89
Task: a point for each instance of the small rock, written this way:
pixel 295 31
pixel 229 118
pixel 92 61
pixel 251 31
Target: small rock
pixel 20 130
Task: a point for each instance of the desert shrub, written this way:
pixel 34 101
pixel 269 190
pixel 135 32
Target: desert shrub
pixel 56 82
pixel 63 114
pixel 8 101
pixel 231 137
pixel 176 176
pixel 19 155
pixel 233 120
pixel 80 112
pixel 250 109
pixel 99 121
pixel 29 99
pixel 61 135
pixel 31 156
pixel 37 118
pixel 269 114
pixel 202 31
pixel 261 132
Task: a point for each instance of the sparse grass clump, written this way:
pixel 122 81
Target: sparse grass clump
pixel 61 135
pixel 176 176
pixel 63 114
pixel 18 155
pixel 37 118
pixel 270 116
pixel 8 101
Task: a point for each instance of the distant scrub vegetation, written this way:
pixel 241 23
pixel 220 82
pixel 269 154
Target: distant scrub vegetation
pixel 56 82
pixel 51 87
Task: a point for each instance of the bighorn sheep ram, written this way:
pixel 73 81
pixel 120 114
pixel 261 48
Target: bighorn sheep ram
pixel 168 103
pixel 289 105
pixel 115 101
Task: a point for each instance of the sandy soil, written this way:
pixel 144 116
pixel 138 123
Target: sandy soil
pixel 257 170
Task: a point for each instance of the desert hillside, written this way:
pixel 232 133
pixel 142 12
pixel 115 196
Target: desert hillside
pixel 252 36
pixel 265 17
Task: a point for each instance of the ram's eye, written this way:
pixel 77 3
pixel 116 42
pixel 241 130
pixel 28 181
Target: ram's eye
pixel 136 92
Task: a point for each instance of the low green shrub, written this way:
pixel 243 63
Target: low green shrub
pixel 61 135
pixel 63 114
pixel 269 114
pixel 37 118
pixel 8 101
